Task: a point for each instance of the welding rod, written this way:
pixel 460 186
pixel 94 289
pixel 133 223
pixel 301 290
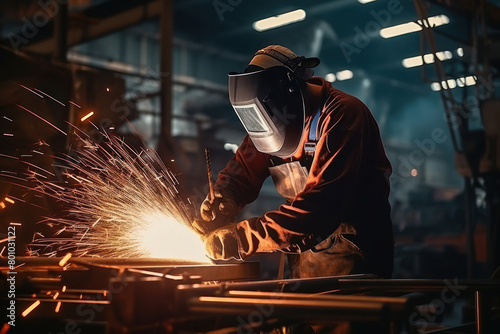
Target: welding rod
pixel 209 170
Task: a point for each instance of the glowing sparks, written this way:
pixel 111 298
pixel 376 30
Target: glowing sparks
pixel 43 119
pixel 50 97
pixel 73 103
pixel 31 90
pixel 55 295
pixel 90 114
pixel 2 205
pixel 5 328
pixel 30 308
pixel 117 201
pixel 64 260
pixel 120 203
pixel 58 307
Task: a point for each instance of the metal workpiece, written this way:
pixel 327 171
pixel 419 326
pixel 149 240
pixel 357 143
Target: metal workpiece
pixel 129 295
pixel 292 309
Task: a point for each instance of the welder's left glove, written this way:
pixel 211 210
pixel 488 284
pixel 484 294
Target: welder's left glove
pixel 223 244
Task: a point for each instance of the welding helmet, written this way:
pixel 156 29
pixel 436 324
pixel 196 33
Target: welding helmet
pixel 268 99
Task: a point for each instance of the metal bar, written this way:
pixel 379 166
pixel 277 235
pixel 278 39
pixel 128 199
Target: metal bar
pixel 469 197
pixel 478 312
pixel 397 305
pixel 209 173
pixel 346 283
pixel 294 309
pixel 166 58
pixel 74 301
pixel 60 35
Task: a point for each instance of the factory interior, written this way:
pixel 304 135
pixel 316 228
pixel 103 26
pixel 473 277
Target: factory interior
pixel 110 111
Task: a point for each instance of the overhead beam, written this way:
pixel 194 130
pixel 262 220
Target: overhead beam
pixel 101 27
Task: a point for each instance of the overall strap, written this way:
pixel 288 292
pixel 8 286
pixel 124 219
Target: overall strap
pixel 310 145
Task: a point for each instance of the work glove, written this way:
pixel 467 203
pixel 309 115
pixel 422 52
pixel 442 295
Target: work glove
pixel 222 244
pixel 218 211
pixel 202 228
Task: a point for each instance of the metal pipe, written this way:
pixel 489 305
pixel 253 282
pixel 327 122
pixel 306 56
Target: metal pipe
pixel 347 283
pixel 293 309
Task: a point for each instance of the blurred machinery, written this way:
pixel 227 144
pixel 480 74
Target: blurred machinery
pixel 477 144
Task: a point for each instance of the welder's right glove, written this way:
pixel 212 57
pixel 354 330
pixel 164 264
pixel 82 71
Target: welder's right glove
pixel 219 211
pixel 223 244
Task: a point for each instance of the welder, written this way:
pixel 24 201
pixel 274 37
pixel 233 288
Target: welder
pixel 323 150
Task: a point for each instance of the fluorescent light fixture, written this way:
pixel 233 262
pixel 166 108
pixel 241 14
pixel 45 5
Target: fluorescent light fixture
pixel 467 81
pixel 279 20
pixel 427 59
pixel 344 75
pixel 365 1
pixel 409 27
pixel 435 86
pixel 452 83
pixel 330 77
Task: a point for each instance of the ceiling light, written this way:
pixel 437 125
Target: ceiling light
pixel 469 81
pixel 452 83
pixel 365 1
pixel 279 20
pixel 410 27
pixel 330 77
pixel 344 75
pixel 460 52
pixel 427 59
pixel 435 86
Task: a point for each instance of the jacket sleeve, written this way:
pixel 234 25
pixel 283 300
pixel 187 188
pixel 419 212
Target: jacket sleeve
pixel 244 174
pixel 329 196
